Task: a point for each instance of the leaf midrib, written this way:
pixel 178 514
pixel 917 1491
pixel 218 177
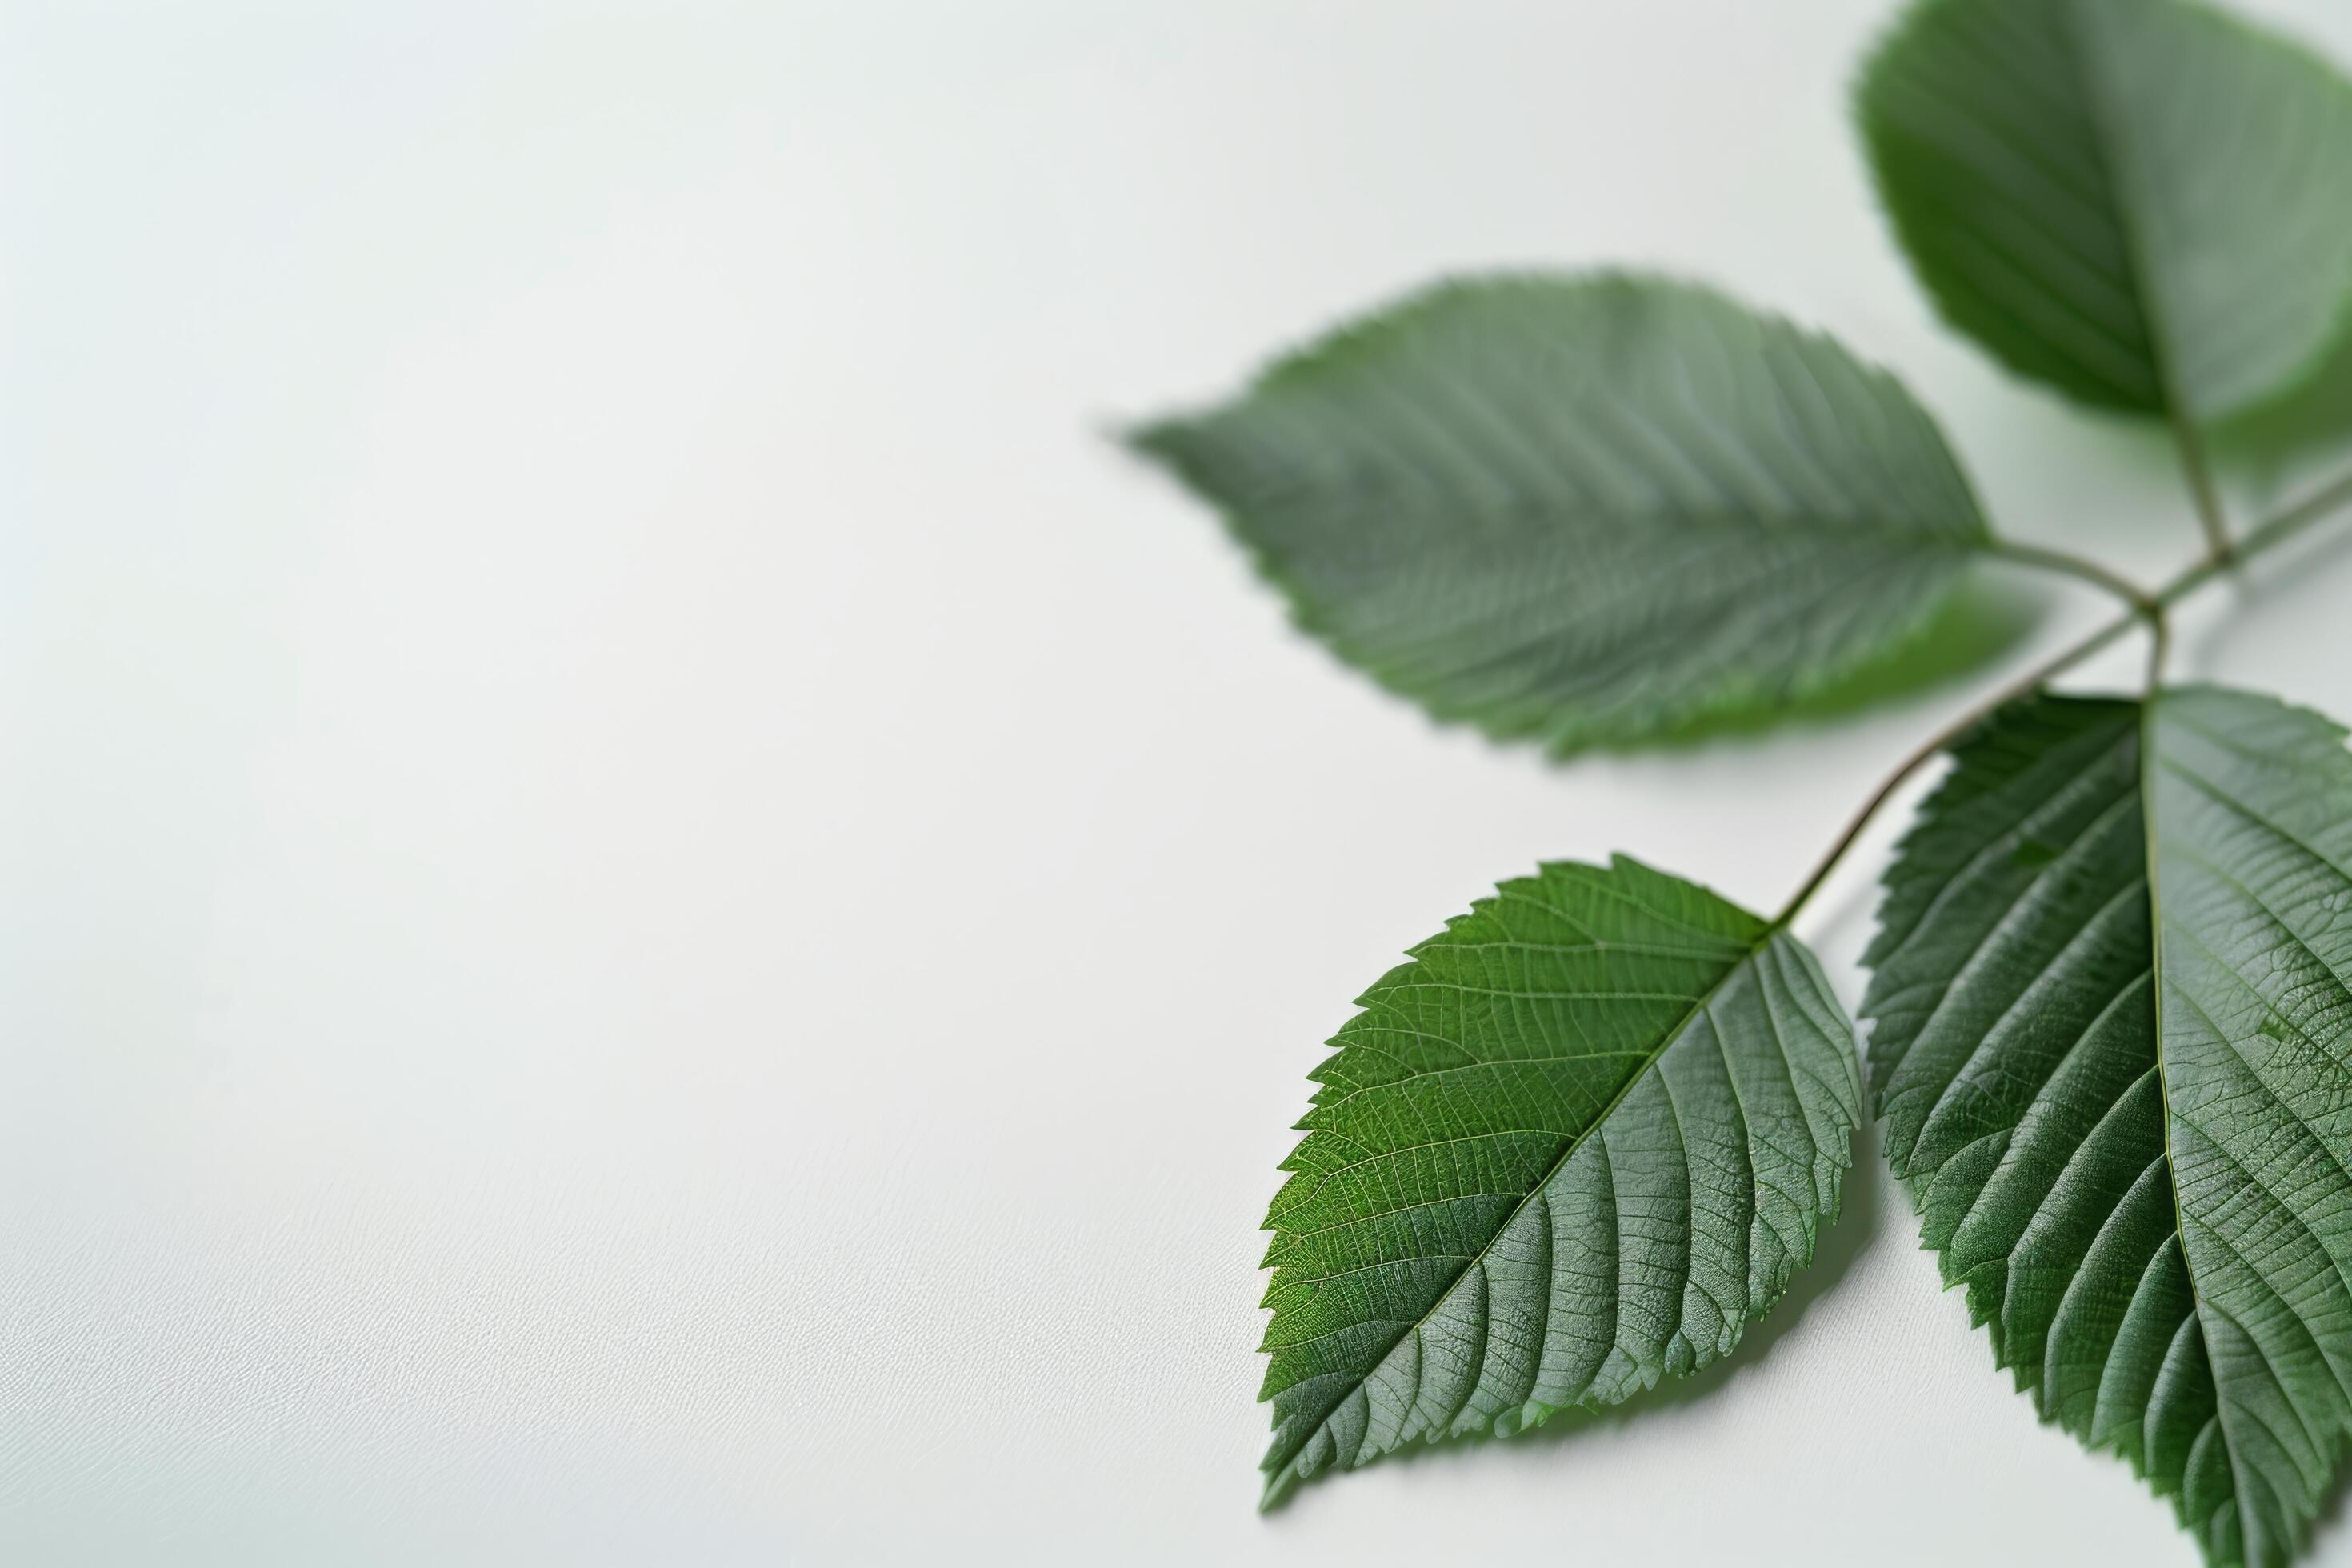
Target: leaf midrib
pixel 2239 1494
pixel 2139 272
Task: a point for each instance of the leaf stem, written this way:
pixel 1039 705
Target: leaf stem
pixel 2138 599
pixel 2160 644
pixel 2200 474
pixel 2325 502
pixel 2316 507
pixel 1911 764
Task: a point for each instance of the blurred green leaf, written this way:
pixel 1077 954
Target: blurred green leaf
pixel 2145 204
pixel 1593 511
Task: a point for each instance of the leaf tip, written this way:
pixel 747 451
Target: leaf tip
pixel 1279 1485
pixel 1155 440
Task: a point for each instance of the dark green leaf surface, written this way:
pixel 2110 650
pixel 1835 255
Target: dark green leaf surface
pixel 2111 1026
pixel 1572 1146
pixel 2142 203
pixel 1591 511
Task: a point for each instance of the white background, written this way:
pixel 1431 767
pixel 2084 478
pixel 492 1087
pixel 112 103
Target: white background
pixel 653 913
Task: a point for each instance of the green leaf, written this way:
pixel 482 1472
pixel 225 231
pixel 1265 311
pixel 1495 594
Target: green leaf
pixel 1591 510
pixel 2142 203
pixel 1574 1145
pixel 2111 1029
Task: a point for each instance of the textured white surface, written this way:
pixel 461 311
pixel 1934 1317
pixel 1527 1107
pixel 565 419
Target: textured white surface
pixel 653 914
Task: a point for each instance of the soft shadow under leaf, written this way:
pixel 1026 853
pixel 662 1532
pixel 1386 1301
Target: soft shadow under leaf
pixel 1975 627
pixel 2281 437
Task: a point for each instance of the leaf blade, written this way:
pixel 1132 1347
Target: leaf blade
pixel 1586 511
pixel 2136 202
pixel 1583 1036
pixel 2111 1074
